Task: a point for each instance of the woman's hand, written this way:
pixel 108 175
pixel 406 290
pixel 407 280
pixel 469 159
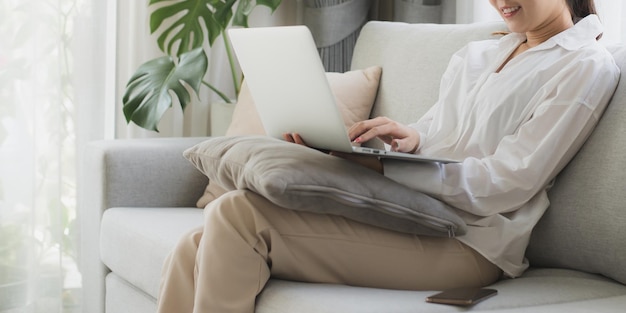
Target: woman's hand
pixel 400 137
pixel 297 139
pixel 294 138
pixel 370 162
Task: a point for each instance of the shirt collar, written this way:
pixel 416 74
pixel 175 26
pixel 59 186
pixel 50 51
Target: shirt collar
pixel 581 34
pixel 584 32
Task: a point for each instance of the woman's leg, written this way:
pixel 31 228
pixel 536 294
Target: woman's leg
pixel 178 276
pixel 246 239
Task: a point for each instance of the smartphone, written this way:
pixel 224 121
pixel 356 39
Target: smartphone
pixel 462 296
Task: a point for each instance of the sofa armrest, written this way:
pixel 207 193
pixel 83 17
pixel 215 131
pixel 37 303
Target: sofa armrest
pixel 142 173
pixel 128 173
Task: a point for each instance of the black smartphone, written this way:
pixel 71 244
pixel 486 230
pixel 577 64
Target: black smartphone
pixel 462 296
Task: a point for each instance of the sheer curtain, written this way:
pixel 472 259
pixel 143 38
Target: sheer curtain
pixel 38 149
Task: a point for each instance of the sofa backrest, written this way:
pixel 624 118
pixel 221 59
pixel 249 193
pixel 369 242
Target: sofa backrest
pixel 585 226
pixel 413 57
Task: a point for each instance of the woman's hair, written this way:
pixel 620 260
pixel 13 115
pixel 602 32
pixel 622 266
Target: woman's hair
pixel 581 8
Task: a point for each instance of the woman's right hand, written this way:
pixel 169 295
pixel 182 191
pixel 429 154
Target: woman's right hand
pixel 400 137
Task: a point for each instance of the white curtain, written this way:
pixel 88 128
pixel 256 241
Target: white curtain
pixel 42 108
pixel 612 13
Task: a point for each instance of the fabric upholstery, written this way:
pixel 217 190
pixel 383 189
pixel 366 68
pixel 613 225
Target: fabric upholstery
pixel 413 58
pixel 584 227
pixel 300 178
pixel 354 92
pixel 135 241
pixel 124 297
pixel 135 172
pixel 537 291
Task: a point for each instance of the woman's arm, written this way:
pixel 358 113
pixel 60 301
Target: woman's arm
pixel 525 161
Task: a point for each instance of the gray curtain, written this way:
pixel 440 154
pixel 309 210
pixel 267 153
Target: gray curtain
pixel 417 11
pixel 335 25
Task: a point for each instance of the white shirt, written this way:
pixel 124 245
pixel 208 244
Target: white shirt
pixel 514 130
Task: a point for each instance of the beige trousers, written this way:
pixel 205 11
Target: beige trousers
pixel 223 266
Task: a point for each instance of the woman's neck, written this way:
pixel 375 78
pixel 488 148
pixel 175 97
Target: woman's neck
pixel 549 29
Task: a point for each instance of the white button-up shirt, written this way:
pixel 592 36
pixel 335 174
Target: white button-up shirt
pixel 514 130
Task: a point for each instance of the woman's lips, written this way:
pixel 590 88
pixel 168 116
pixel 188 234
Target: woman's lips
pixel 510 11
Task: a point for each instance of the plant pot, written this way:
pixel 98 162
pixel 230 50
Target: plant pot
pixel 221 116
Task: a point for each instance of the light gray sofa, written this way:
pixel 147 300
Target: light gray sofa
pixel 137 197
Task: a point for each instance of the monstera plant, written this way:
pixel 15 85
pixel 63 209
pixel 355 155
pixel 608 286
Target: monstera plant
pixel 183 27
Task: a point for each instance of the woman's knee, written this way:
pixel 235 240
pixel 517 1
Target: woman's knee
pixel 188 243
pixel 238 210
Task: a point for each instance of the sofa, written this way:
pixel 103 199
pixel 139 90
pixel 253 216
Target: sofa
pixel 138 196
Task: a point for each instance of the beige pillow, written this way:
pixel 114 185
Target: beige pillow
pixel 355 93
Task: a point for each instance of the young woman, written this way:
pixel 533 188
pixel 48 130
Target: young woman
pixel 515 110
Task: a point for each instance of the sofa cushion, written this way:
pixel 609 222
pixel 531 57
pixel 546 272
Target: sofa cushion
pixel 124 297
pixel 354 92
pixel 584 227
pixel 300 178
pixel 135 241
pixel 542 290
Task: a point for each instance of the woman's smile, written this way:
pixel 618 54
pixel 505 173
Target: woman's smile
pixel 508 12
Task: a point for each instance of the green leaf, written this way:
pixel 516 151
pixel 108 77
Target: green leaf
pixel 147 94
pixel 272 4
pixel 183 27
pixel 245 8
pixel 183 22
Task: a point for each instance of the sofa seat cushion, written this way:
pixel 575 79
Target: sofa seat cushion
pixel 121 296
pixel 135 241
pixel 539 290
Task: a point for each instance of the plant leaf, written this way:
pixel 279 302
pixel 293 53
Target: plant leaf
pixel 245 7
pixel 272 4
pixel 184 23
pixel 147 94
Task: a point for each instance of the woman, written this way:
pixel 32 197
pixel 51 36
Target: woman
pixel 515 110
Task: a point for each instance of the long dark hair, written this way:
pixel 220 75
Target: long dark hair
pixel 581 8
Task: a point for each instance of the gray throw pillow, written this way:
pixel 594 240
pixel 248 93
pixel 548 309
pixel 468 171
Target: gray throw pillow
pixel 585 226
pixel 301 178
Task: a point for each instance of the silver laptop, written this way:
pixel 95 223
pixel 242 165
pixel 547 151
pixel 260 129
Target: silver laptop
pixel 288 83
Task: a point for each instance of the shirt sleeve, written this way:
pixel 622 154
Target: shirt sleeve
pixel 524 162
pixel 454 65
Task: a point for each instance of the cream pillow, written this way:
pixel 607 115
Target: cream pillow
pixel 355 93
